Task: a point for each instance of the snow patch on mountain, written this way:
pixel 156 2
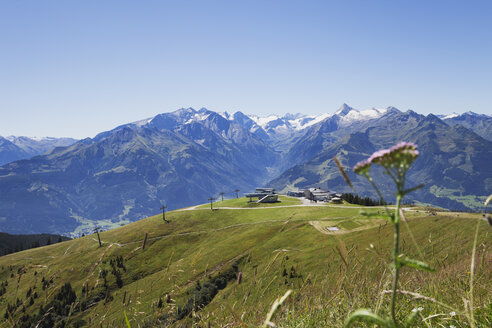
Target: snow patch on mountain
pixel 198 117
pixel 355 115
pixel 288 122
pixel 451 116
pixel 465 114
pixel 15 139
pixel 143 122
pixel 228 116
pixel 308 121
pixel 344 110
pixel 263 121
pixel 298 122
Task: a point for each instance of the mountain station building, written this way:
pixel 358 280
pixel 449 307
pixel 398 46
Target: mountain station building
pixel 264 195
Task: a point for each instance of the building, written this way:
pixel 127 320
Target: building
pixel 336 200
pixel 264 195
pixel 317 194
pixel 295 193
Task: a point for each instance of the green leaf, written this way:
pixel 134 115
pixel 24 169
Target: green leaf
pixel 126 319
pixel 368 316
pixel 411 317
pixel 413 189
pixel 416 264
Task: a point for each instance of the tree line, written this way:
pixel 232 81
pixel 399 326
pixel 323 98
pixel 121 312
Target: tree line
pixel 366 201
pixel 16 243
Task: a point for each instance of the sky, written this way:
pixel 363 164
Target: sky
pixel 77 68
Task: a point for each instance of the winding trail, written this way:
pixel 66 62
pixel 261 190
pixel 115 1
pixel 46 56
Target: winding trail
pixel 197 207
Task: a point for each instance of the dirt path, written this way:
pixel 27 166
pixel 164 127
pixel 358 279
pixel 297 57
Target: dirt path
pixel 305 202
pixel 192 208
pixel 324 229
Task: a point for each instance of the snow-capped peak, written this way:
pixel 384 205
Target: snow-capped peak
pixel 16 138
pixel 349 115
pixel 468 113
pixel 228 116
pixel 263 121
pixel 303 122
pixel 298 122
pixel 295 116
pixel 288 123
pixel 143 122
pixel 344 110
pixel 474 114
pixel 451 116
pixel 199 116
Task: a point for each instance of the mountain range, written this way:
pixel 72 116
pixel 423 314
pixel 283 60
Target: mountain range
pixel 185 157
pixel 479 123
pixel 15 148
pixel 454 161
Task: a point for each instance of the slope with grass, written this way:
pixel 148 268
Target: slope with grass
pixel 185 272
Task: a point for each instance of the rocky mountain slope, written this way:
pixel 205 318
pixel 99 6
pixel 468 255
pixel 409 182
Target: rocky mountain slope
pixel 10 152
pixel 127 173
pixel 479 123
pixel 453 162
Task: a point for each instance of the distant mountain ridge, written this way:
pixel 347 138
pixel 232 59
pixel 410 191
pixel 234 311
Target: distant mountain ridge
pixel 481 124
pixel 184 157
pixel 10 152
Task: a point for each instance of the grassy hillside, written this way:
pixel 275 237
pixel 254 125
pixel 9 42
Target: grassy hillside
pixel 198 255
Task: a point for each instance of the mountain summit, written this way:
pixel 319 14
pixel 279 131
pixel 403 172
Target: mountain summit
pixel 343 110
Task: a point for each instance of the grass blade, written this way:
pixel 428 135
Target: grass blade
pixel 488 200
pixel 413 189
pixel 472 272
pixel 274 307
pixel 126 320
pixel 368 316
pixel 342 171
pixel 416 264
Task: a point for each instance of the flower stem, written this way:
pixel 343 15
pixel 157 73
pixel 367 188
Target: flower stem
pixel 396 253
pixel 380 196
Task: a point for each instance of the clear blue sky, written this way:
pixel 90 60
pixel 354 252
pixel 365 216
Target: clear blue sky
pixel 75 68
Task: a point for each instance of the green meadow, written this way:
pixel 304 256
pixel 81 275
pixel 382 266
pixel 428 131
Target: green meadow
pixel 160 274
pixel 244 202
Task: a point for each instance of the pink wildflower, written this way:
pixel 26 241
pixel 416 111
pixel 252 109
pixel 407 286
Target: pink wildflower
pixel 362 167
pixel 404 153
